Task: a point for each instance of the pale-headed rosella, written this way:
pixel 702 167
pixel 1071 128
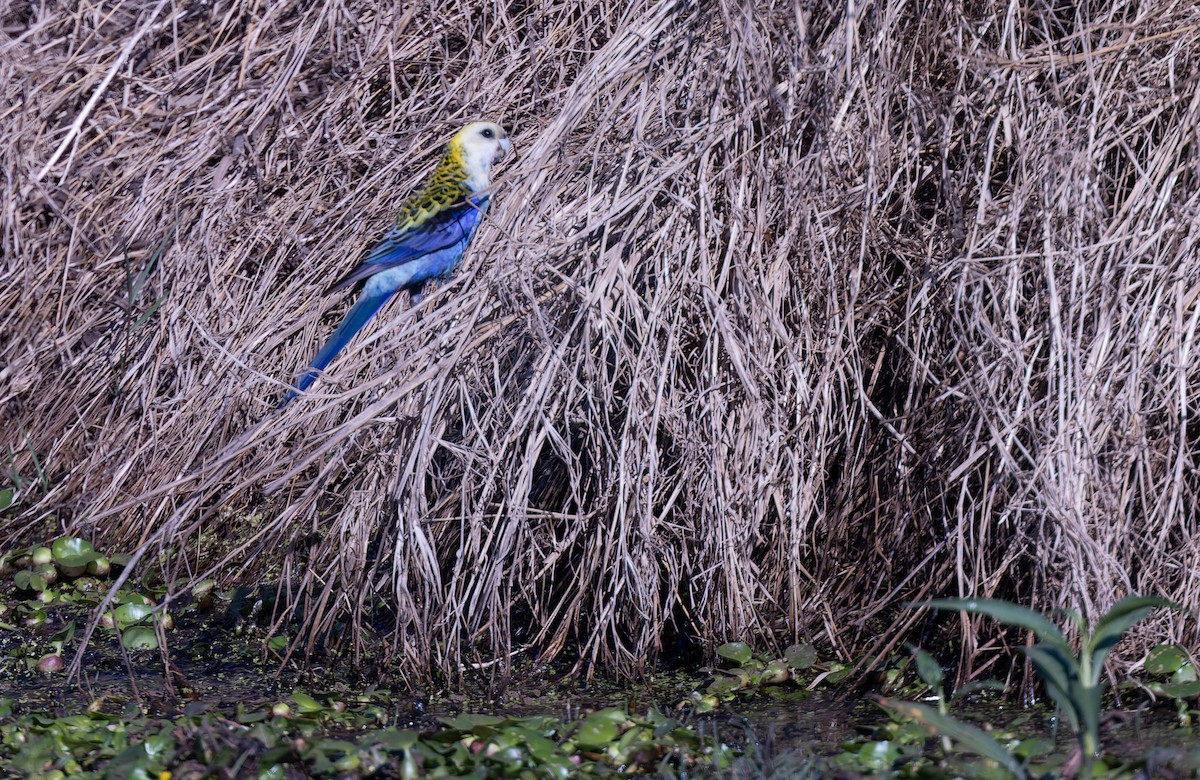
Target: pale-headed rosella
pixel 427 240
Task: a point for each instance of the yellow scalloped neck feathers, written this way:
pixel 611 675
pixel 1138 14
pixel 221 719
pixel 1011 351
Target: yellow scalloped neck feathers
pixel 445 187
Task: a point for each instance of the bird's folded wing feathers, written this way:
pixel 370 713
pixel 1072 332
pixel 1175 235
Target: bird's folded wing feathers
pixel 406 242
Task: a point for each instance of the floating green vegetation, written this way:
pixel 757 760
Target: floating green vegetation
pixel 302 734
pixel 67 578
pixel 228 713
pixel 745 671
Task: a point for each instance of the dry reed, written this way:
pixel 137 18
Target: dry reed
pixel 786 314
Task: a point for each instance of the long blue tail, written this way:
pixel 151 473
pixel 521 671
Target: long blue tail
pixel 363 309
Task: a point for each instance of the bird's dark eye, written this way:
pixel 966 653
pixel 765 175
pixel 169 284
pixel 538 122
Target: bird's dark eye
pixel 487 133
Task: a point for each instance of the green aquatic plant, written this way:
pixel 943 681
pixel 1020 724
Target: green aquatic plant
pixel 1172 676
pixel 744 670
pixel 1072 679
pixel 327 736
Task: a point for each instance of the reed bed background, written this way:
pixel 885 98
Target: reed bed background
pixel 786 314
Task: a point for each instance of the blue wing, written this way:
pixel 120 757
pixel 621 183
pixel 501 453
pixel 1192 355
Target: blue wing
pixel 403 259
pixel 402 244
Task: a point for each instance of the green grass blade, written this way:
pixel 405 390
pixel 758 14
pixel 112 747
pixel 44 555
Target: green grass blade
pixel 967 736
pixel 928 669
pixel 135 286
pixel 147 314
pixel 1006 612
pixel 1076 618
pixel 1114 623
pixel 1060 673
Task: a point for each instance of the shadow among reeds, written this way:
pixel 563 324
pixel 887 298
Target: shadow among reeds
pixel 783 317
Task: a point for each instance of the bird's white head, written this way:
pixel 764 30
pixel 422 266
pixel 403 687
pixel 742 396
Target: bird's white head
pixel 477 145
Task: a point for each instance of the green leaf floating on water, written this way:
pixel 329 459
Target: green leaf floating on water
pixel 307 704
pixel 878 755
pixel 73 551
pixel 600 728
pixel 800 656
pixel 1165 659
pixel 395 739
pixel 27 580
pixel 738 652
pixel 139 638
pixel 472 722
pixel 131 614
pixel 1177 690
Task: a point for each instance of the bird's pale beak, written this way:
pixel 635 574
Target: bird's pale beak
pixel 505 147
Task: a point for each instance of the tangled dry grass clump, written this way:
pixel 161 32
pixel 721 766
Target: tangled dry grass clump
pixel 783 317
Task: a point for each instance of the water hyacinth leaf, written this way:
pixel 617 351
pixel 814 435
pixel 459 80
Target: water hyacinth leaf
pixel 395 739
pixel 738 652
pixel 596 734
pixel 801 655
pixel 472 723
pixel 48 573
pixel 132 597
pixel 1115 622
pixel 1185 673
pixel 6 498
pixel 724 684
pixel 139 638
pixel 71 551
pixel 506 738
pixel 775 673
pixel 307 704
pixel 131 614
pixel 63 637
pixel 600 728
pixel 1165 658
pixel 838 672
pixel 1034 747
pixel 335 746
pixel 540 747
pixel 630 739
pixel 928 669
pixel 143 759
pixel 559 768
pixel 967 736
pixel 27 580
pixel 275 755
pixel 511 755
pixel 1006 612
pixel 661 722
pixel 879 755
pixel 252 716
pixel 1176 690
